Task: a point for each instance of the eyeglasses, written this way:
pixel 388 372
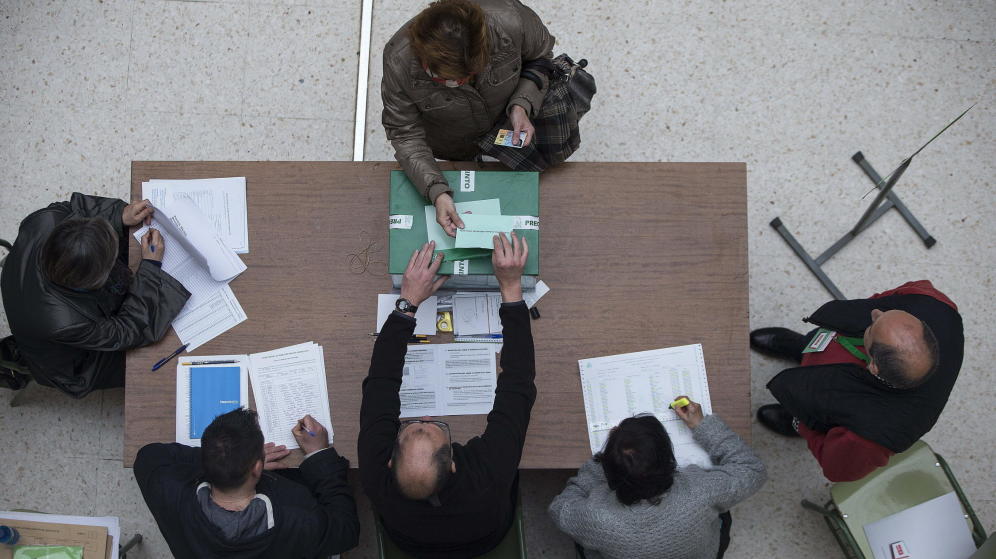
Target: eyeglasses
pixel 441 424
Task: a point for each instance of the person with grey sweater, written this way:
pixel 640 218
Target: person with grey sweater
pixel 632 501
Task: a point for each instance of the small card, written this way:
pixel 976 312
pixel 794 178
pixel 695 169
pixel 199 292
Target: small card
pixel 504 138
pixel 820 341
pixel 479 230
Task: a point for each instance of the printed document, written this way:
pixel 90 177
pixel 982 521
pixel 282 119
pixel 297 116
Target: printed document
pixel 190 245
pixel 434 232
pixel 288 384
pixel 448 379
pixel 184 395
pixel 479 230
pixel 223 201
pixel 935 529
pixel 621 386
pixel 425 316
pixel 476 313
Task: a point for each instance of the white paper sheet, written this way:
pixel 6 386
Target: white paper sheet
pixel 448 379
pixel 186 225
pixel 621 386
pixel 183 390
pixel 935 529
pixel 112 524
pixel 222 200
pixel 287 384
pixel 213 315
pixel 476 313
pixel 434 232
pixel 531 296
pixel 425 316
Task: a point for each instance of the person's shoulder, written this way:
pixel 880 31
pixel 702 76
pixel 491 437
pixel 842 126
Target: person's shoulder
pixel 398 48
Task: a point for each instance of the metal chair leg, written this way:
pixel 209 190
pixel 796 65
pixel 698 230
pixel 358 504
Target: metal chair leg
pixel 123 549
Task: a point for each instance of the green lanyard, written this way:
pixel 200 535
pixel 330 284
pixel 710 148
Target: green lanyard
pixel 851 345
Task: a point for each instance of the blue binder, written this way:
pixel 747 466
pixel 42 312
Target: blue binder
pixel 213 391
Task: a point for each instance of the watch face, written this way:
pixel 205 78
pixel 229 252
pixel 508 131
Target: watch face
pixel 404 306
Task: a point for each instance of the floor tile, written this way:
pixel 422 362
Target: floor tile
pixel 29 478
pixel 309 76
pixel 188 57
pixel 71 53
pixel 295 139
pixel 70 428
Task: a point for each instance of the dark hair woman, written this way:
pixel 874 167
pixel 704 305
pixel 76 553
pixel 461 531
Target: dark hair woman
pixel 636 500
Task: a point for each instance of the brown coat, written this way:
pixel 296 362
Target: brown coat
pixel 425 120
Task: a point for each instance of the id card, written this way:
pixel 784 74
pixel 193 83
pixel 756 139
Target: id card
pixel 504 138
pixel 820 341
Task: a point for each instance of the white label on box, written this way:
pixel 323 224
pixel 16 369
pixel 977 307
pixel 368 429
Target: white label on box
pixel 526 222
pixel 467 181
pixel 461 267
pixel 399 221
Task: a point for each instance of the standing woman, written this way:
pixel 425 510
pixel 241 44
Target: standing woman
pixel 450 74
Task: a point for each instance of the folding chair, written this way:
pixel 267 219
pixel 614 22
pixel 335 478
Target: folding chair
pixel 910 478
pixel 512 546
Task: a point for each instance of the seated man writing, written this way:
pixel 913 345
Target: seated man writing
pixel 73 304
pixel 434 497
pixel 221 500
pixel 874 378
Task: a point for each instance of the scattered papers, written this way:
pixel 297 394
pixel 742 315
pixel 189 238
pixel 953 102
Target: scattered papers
pixel 212 315
pixel 434 232
pixel 198 259
pixel 192 408
pixel 448 379
pixel 479 230
pixel 935 529
pixel 621 386
pixel 425 316
pixel 223 201
pixel 476 313
pixel 288 384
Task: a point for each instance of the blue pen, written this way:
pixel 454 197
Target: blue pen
pixel 167 359
pixel 312 433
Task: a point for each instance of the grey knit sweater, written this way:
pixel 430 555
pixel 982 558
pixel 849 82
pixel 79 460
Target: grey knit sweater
pixel 685 525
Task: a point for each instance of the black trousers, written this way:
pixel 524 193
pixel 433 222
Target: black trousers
pixel 726 520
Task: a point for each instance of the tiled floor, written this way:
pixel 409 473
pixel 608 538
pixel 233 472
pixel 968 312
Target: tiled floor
pixel 792 88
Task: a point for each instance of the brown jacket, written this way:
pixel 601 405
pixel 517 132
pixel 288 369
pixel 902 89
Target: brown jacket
pixel 425 119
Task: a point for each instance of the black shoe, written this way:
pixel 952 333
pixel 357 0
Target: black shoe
pixel 776 418
pixel 778 342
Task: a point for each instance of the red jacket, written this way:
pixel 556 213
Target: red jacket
pixel 843 455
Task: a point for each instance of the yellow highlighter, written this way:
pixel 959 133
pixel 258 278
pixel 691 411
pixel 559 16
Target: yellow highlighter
pixel 679 403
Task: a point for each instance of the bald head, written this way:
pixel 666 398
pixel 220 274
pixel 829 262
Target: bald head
pixel 902 348
pixel 422 461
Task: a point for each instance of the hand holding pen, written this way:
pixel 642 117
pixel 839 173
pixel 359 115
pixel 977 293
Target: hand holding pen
pixel 310 434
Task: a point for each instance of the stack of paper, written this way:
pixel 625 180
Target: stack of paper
pixel 97 535
pixel 425 316
pixel 448 379
pixel 198 258
pixel 223 201
pixel 621 386
pixel 287 384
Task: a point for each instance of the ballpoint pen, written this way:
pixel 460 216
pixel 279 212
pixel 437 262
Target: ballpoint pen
pixel 189 363
pixel 169 357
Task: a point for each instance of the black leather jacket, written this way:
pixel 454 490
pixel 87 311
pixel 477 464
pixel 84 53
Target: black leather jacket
pixel 70 339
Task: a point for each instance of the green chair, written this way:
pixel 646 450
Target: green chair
pixel 512 546
pixel 910 478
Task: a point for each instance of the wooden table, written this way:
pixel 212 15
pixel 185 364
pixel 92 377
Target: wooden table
pixel 638 256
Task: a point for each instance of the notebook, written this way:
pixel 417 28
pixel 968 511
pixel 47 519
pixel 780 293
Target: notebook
pixel 213 391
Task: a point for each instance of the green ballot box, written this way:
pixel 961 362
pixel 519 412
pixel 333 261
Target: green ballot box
pixel 412 221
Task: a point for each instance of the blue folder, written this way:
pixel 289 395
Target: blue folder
pixel 213 391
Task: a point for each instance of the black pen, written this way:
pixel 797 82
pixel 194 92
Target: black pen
pixel 169 357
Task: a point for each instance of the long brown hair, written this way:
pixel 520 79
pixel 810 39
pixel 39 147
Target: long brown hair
pixel 451 37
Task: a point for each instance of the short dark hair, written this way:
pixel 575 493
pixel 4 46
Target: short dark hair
pixel 893 369
pixel 230 447
pixel 79 253
pixel 638 460
pixel 451 36
pixel 442 461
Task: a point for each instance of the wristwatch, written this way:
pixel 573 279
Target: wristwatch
pixel 403 305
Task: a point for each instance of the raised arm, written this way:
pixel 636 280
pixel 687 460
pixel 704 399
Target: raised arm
pixel 515 394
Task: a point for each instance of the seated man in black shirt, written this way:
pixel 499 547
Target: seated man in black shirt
pixel 221 500
pixel 436 498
